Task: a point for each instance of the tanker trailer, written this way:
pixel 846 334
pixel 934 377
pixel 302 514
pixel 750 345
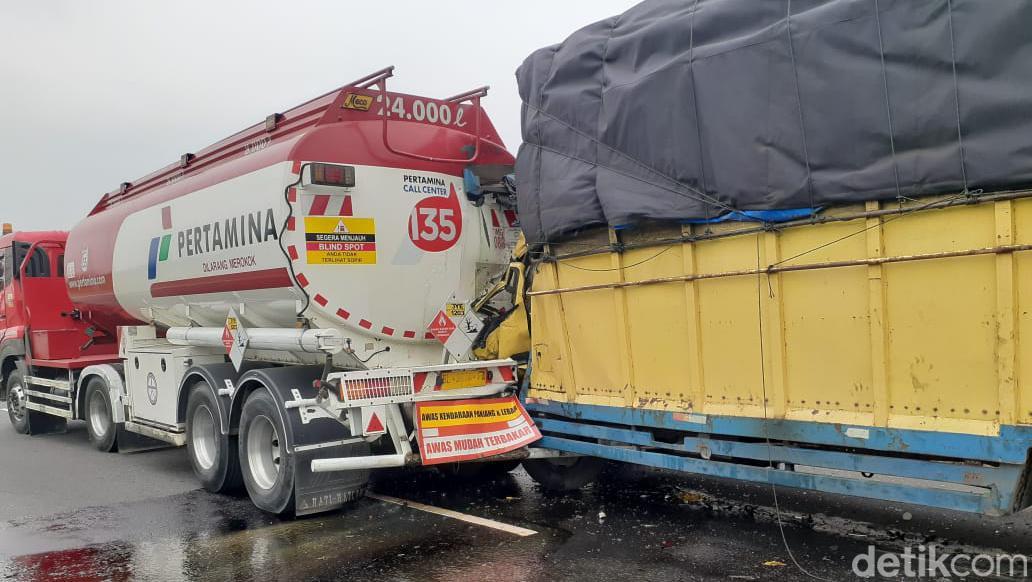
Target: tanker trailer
pixel 296 300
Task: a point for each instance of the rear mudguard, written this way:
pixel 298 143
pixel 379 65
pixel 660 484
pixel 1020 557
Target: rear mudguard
pixel 314 436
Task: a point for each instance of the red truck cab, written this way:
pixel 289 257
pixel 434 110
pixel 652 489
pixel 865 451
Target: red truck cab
pixel 39 326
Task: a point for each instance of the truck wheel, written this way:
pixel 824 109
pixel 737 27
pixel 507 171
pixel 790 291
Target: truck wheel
pixel 27 421
pixel 16 410
pixel 564 473
pixel 214 456
pixel 265 460
pixel 100 422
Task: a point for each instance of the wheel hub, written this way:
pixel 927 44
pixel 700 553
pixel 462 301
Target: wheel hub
pixel 16 401
pixel 263 452
pixel 203 437
pixel 100 418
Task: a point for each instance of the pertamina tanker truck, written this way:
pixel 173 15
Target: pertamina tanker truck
pixel 294 303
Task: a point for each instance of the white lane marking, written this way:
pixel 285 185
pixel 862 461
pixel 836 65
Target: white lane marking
pixel 513 529
pixel 3 410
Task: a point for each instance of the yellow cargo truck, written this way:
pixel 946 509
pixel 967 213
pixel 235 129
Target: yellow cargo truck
pixel 839 353
pixel 788 245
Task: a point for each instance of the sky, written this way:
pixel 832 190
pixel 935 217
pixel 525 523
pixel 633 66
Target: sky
pixel 95 93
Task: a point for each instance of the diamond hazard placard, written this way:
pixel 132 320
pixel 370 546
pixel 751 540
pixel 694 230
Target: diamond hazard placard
pixel 460 430
pixel 235 339
pixel 457 327
pixel 442 327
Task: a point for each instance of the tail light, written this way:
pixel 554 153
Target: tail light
pixel 332 175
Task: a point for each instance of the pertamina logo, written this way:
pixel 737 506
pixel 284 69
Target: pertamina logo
pixel 250 228
pixel 159 245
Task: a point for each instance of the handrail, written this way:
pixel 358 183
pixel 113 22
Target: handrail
pixel 472 96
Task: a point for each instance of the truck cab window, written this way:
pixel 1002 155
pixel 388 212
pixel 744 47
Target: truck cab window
pixel 39 263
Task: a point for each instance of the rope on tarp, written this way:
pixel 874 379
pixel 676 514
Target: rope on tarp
pixel 956 95
pixel 799 101
pixel 695 100
pixel 888 103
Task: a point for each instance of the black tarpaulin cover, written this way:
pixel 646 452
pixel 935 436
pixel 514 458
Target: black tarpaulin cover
pixel 685 109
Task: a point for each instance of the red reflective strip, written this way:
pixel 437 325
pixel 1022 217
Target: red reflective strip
pixel 166 217
pixel 296 168
pixel 387 330
pixel 345 207
pixel 320 300
pixel 264 279
pixel 292 195
pixel 290 223
pixel 292 250
pixel 365 323
pixel 301 279
pixel 409 334
pixel 511 218
pixel 319 204
pixel 428 335
pixel 343 314
pixel 506 373
pixel 494 219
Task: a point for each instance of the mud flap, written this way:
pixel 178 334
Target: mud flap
pixel 313 436
pixel 319 492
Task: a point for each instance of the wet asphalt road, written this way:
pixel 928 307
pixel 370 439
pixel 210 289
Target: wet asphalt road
pixel 72 513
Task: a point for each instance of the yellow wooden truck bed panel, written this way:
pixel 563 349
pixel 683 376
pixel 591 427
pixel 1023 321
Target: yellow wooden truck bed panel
pixel 882 318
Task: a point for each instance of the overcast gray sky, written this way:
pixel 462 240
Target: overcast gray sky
pixel 94 93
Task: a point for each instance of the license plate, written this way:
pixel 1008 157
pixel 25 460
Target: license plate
pixel 458 379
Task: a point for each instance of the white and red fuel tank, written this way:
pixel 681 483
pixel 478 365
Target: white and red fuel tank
pixel 376 250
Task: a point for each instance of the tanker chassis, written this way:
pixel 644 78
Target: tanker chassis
pixel 278 301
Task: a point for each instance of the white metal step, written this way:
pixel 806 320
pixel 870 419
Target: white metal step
pixel 48 409
pixel 48 396
pixel 59 384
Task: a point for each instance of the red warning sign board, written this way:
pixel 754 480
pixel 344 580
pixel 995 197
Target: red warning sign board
pixel 442 326
pixel 460 430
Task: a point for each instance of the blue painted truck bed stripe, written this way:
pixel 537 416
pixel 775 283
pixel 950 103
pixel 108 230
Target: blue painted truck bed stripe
pixel 973 475
pixel 958 500
pixel 1011 446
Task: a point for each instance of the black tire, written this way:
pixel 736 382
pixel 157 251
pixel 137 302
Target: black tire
pixel 100 423
pixel 564 474
pixel 263 453
pixel 213 455
pixel 16 402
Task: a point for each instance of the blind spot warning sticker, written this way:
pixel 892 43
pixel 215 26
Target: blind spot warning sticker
pixel 340 240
